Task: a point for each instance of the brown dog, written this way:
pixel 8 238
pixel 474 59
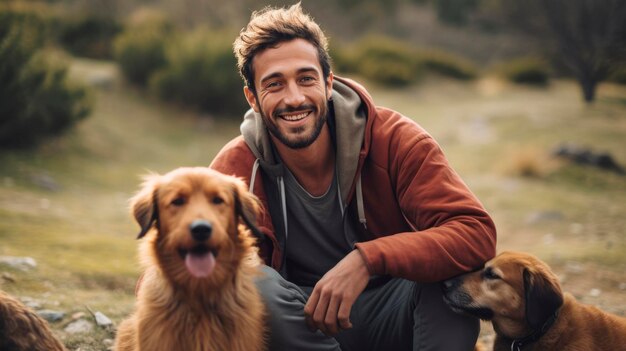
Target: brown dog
pixel 522 298
pixel 23 330
pixel 197 291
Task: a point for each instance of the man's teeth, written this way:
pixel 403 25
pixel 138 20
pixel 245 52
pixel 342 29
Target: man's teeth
pixel 295 117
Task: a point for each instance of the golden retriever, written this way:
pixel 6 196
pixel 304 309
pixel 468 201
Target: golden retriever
pixel 522 298
pixel 197 291
pixel 23 330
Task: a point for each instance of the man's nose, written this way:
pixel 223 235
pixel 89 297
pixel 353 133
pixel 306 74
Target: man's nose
pixel 294 96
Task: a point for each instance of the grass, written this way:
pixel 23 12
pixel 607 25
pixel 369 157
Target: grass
pixel 82 236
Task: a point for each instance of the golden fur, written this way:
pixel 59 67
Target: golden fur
pixel 518 293
pixel 23 330
pixel 176 310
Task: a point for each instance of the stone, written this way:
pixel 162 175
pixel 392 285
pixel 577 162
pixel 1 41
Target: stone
pixel 51 316
pixel 102 320
pixel 20 263
pixel 80 326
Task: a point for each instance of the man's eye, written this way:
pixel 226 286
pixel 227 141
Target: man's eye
pixel 179 201
pixel 272 85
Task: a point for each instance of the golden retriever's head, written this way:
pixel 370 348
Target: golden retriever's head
pixel 516 291
pixel 192 218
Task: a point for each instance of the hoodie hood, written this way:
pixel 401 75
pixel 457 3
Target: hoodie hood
pixel 350 104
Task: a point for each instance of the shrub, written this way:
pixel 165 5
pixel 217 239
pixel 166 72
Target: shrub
pixel 36 99
pixel 618 75
pixel 455 12
pixel 386 61
pixel 201 72
pixel 140 49
pixel 526 71
pixel 89 36
pixel 447 64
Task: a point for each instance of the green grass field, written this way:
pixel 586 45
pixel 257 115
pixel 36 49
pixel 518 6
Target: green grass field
pixel 65 204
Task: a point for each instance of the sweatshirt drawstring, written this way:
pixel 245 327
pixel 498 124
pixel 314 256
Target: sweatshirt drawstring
pixel 359 202
pixel 255 169
pixel 283 200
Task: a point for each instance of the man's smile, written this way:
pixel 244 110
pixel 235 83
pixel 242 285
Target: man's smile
pixel 295 116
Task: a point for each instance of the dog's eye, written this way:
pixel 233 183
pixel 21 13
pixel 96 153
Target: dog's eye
pixel 490 274
pixel 179 201
pixel 217 200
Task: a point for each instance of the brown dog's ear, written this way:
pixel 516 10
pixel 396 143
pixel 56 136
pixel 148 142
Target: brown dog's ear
pixel 543 296
pixel 144 205
pixel 247 207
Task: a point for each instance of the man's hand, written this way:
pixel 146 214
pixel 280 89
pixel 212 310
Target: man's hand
pixel 328 308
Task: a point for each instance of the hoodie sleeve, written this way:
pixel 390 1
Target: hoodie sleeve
pixel 451 231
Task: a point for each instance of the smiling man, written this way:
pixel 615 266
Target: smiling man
pixel 364 216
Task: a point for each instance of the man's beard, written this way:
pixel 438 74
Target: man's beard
pixel 298 143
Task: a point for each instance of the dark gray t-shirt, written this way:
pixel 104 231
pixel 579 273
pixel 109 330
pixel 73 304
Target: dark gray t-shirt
pixel 315 239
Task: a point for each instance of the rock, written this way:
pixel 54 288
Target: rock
pixel 108 342
pixel 544 216
pixel 21 263
pixel 102 320
pixel 622 286
pixel 574 267
pixel 8 277
pixel 45 181
pixel 78 315
pixel 80 326
pixel 31 303
pixel 585 156
pixel 51 316
pixel 595 292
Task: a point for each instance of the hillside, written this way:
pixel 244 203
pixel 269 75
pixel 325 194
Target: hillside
pixel 65 204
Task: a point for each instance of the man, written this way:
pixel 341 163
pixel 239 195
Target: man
pixel 363 214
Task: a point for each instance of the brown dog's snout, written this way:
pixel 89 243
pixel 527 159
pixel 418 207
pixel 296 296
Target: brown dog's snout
pixel 200 230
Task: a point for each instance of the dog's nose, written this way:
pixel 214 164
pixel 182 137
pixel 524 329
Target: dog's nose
pixel 200 230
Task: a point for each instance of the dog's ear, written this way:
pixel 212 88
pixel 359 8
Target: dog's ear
pixel 543 296
pixel 248 208
pixel 144 206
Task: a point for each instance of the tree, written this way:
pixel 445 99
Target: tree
pixel 587 37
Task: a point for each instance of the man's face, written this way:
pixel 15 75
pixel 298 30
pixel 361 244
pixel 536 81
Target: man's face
pixel 291 93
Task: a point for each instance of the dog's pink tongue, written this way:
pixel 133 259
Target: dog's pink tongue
pixel 200 265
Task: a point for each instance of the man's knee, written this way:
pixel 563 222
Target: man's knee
pixel 435 322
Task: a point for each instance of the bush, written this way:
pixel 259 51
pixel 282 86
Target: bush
pixel 89 36
pixel 447 64
pixel 526 71
pixel 395 63
pixel 386 61
pixel 455 12
pixel 140 49
pixel 36 99
pixel 201 72
pixel 618 75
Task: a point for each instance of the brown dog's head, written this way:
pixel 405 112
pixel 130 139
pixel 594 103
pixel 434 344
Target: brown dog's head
pixel 192 219
pixel 516 291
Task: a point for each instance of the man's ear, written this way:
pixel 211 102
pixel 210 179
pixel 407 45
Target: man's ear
pixel 251 98
pixel 329 84
pixel 144 206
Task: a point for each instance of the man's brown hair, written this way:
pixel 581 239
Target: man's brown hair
pixel 271 26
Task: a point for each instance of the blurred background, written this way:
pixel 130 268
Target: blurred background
pixel 527 99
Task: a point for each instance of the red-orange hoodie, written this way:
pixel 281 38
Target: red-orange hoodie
pixel 415 217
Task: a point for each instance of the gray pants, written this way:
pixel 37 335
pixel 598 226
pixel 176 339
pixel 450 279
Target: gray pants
pixel 399 315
